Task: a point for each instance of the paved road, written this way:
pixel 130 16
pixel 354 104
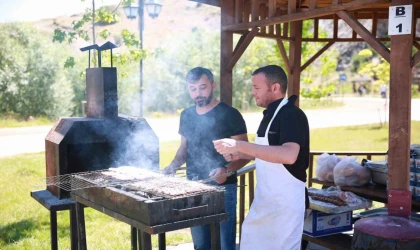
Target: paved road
pixel 355 111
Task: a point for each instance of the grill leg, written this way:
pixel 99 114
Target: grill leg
pixel 215 236
pixel 73 229
pixel 146 240
pixel 80 215
pixel 133 238
pixel 162 241
pixel 53 230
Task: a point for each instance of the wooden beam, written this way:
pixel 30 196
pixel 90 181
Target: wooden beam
pixel 417 45
pixel 365 34
pixel 226 51
pixel 416 59
pixel 284 56
pixel 374 23
pixel 295 52
pixel 285 29
pixel 310 14
pixel 335 27
pixel 271 13
pixel 246 11
pixel 314 57
pixel 278 26
pixel 324 40
pixel 241 47
pixel 291 7
pixel 316 27
pixel 312 4
pixel 241 40
pixel 400 113
pixel 271 8
pixel 263 15
pixel 238 11
pixel 354 34
pixel 255 4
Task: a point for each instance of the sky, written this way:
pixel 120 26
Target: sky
pixel 33 10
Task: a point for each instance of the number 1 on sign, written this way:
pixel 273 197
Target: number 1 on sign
pixel 399 26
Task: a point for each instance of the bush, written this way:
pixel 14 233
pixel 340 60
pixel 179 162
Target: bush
pixel 32 81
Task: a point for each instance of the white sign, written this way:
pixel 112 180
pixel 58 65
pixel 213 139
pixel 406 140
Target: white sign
pixel 400 19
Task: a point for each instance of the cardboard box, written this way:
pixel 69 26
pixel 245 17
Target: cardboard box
pixel 320 224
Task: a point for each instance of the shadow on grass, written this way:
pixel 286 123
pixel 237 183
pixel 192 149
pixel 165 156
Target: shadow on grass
pixel 16 231
pixel 364 128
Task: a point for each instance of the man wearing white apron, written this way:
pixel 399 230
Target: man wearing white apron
pixel 281 152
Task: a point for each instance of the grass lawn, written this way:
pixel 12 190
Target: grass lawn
pixel 14 122
pixel 24 224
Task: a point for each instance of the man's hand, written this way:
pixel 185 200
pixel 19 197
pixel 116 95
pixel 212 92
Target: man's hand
pixel 219 175
pixel 232 157
pixel 225 146
pixel 169 170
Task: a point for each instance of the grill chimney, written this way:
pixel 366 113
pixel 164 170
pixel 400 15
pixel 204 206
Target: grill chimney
pixel 101 86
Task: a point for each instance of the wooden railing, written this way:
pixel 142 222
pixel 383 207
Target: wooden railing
pixel 247 173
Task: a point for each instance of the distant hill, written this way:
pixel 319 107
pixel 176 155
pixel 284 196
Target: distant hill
pixel 176 18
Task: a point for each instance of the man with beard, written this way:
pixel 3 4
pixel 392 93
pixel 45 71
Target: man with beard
pixel 200 124
pixel 281 153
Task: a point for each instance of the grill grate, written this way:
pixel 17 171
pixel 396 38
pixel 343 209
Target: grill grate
pixel 134 179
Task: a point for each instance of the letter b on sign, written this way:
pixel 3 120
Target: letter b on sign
pixel 400 20
pixel 400 11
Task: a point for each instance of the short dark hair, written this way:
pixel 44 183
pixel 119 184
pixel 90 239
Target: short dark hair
pixel 196 73
pixel 274 74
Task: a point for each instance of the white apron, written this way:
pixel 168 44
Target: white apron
pixel 275 219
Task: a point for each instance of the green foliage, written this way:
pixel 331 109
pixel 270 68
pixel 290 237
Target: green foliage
pixel 31 82
pixel 317 92
pixel 80 29
pixel 376 68
pixel 69 63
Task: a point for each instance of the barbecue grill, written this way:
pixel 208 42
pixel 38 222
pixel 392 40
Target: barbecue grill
pixel 83 159
pixel 143 195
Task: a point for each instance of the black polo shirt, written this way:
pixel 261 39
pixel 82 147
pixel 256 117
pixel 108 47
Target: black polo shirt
pixel 289 125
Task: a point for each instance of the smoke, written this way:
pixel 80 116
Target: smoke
pixel 139 146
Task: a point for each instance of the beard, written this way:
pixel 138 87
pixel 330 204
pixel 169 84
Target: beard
pixel 202 101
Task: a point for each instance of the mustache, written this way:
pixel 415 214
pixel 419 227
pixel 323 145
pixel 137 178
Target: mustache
pixel 198 98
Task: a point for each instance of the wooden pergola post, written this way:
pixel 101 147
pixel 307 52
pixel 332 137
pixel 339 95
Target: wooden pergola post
pixel 226 51
pixel 400 117
pixel 295 51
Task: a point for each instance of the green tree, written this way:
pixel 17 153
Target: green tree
pixel 89 23
pixel 31 82
pixel 375 67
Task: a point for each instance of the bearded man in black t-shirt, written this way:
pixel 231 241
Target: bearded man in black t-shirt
pixel 200 125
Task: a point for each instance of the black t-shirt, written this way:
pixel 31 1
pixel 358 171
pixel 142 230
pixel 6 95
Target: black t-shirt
pixel 289 125
pixel 223 121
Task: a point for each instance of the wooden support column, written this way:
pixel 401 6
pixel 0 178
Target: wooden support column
pixel 240 48
pixel 226 51
pixel 400 117
pixel 284 56
pixel 295 51
pixel 314 57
